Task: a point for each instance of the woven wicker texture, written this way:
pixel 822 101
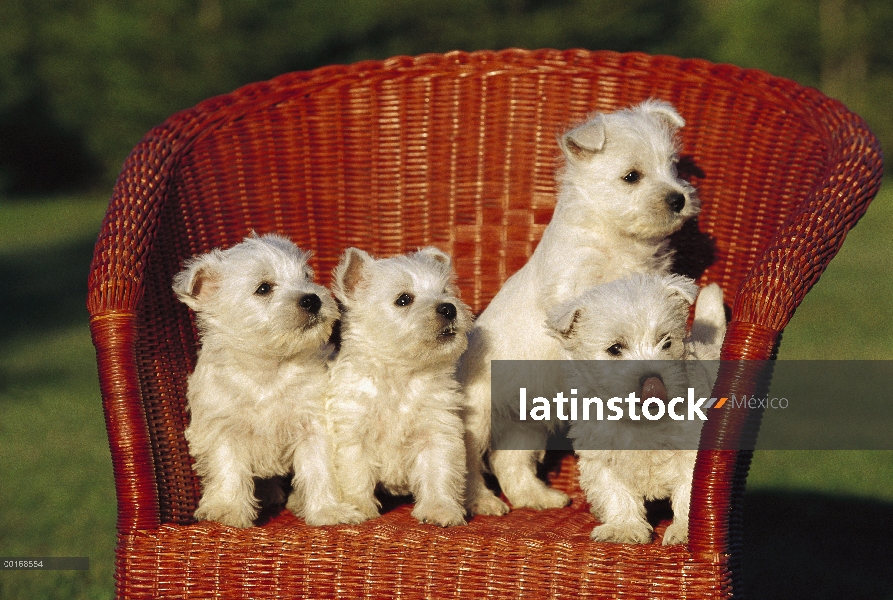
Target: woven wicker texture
pixel 458 151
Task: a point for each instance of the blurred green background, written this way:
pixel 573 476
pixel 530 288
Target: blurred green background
pixel 81 82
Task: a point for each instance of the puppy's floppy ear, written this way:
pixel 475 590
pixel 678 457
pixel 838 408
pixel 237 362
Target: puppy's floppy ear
pixel 682 287
pixel 562 320
pixel 581 143
pixel 199 279
pixel 349 273
pixel 664 111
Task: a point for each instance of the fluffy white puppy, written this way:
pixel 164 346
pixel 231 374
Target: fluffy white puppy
pixel 633 331
pixel 619 199
pixel 256 396
pixel 393 403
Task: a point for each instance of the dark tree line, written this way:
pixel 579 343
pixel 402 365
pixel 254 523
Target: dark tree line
pixel 82 80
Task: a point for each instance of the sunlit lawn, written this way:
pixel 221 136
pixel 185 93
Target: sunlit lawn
pixel 57 492
pixel 848 315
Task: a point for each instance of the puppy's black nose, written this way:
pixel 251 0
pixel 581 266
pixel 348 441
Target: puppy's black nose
pixel 311 303
pixel 447 310
pixel 675 201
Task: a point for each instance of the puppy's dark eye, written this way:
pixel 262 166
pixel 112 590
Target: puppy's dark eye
pixel 632 177
pixel 264 289
pixel 615 350
pixel 667 344
pixel 404 300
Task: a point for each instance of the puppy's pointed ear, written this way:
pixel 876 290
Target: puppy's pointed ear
pixel 349 273
pixel 562 320
pixel 437 254
pixel 581 143
pixel 709 324
pixel 444 259
pixel 664 111
pixel 199 280
pixel 682 287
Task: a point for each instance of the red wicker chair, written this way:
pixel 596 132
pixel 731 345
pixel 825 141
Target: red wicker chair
pixel 458 151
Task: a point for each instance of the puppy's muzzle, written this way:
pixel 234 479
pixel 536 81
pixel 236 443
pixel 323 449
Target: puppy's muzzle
pixel 311 303
pixel 448 312
pixel 675 201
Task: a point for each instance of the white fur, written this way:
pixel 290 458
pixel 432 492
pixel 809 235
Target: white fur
pixel 641 318
pixel 256 396
pixel 603 228
pixel 393 402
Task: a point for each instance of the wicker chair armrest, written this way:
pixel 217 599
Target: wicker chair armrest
pixel 115 288
pixel 764 305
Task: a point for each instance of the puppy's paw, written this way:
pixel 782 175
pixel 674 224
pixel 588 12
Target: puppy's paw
pixel 540 498
pixel 632 532
pixel 367 508
pixel 486 503
pixel 676 533
pixel 339 514
pixel 352 511
pixel 443 514
pixel 227 514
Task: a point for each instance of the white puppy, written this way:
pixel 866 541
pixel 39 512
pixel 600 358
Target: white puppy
pixel 641 319
pixel 393 403
pixel 619 199
pixel 256 396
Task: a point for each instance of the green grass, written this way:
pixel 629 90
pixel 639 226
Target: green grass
pixel 26 226
pixel 57 491
pixel 848 315
pixel 818 523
